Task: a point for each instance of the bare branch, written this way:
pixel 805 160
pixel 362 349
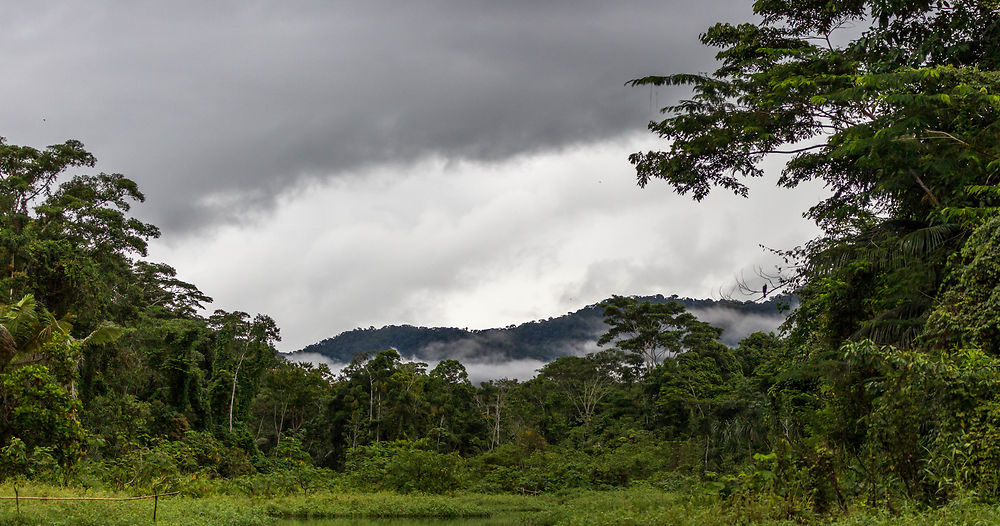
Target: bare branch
pixel 788 152
pixel 930 194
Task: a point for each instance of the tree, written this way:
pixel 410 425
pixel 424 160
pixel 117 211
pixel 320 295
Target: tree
pixel 71 245
pixel 26 174
pixel 492 399
pixel 653 332
pixel 585 381
pixel 241 337
pixel 40 414
pixel 454 420
pixel 30 334
pixel 71 280
pixel 900 125
pixel 291 397
pixel 38 372
pixel 968 313
pixel 158 287
pixel 383 398
pixel 782 82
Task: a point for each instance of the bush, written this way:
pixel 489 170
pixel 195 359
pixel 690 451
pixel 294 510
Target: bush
pixel 405 466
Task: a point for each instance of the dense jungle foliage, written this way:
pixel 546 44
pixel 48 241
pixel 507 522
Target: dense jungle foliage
pixel 881 390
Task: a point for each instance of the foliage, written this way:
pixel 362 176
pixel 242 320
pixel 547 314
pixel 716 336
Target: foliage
pixel 405 467
pixel 653 332
pixel 292 402
pixel 879 394
pixel 90 336
pixel 543 340
pixel 883 387
pixel 42 414
pixel 968 314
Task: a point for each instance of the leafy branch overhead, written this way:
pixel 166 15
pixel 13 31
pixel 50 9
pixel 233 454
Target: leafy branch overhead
pixel 894 107
pixel 900 124
pixel 868 124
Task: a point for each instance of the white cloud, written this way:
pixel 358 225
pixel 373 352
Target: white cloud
pixel 475 244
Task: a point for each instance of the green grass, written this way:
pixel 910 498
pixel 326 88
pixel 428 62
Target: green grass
pixel 385 505
pixel 242 510
pixel 624 507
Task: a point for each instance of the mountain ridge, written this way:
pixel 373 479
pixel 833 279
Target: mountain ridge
pixel 544 340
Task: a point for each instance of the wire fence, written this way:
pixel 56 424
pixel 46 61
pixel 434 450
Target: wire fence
pixel 156 499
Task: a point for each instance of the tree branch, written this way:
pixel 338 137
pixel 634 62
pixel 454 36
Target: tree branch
pixel 930 194
pixel 786 152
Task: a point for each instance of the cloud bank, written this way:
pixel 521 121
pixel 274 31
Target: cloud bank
pixel 219 108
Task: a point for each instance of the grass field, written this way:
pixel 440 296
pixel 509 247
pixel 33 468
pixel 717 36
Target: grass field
pixel 634 506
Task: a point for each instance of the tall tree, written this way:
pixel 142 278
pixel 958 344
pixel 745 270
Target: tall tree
pixel 899 124
pixel 454 420
pixel 653 332
pixel 895 108
pixel 247 345
pixel 72 246
pixel 492 399
pixel 292 396
pixel 584 381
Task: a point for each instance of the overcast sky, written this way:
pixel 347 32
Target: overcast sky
pixel 345 164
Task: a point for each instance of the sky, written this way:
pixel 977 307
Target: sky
pixel 351 164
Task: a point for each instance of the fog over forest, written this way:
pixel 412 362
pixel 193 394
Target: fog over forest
pixel 486 354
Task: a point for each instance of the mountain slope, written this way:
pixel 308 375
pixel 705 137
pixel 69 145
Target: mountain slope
pixel 544 340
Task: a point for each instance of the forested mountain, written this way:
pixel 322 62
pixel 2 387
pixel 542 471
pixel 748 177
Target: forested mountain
pixel 573 333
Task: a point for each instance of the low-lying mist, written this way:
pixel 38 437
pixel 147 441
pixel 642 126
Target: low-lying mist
pixel 479 371
pixel 518 351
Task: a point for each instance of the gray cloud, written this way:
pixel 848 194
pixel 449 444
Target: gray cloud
pixel 490 349
pixel 345 164
pixel 466 350
pixel 217 108
pixel 478 372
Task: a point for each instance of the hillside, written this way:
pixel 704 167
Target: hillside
pixel 542 340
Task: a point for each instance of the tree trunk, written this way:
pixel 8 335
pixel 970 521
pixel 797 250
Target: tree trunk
pixel 236 374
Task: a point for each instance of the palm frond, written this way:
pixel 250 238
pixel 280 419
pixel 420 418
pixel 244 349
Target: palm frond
pixel 105 333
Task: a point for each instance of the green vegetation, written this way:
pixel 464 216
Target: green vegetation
pixel 543 340
pixel 694 503
pixel 878 402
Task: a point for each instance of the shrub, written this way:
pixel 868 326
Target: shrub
pixel 405 466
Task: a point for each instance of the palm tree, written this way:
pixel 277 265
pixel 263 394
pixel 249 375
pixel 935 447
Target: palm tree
pixel 28 332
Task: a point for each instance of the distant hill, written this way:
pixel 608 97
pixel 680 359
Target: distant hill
pixel 575 333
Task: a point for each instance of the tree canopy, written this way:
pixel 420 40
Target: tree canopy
pixel 899 123
pixel 881 388
pixel 895 108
